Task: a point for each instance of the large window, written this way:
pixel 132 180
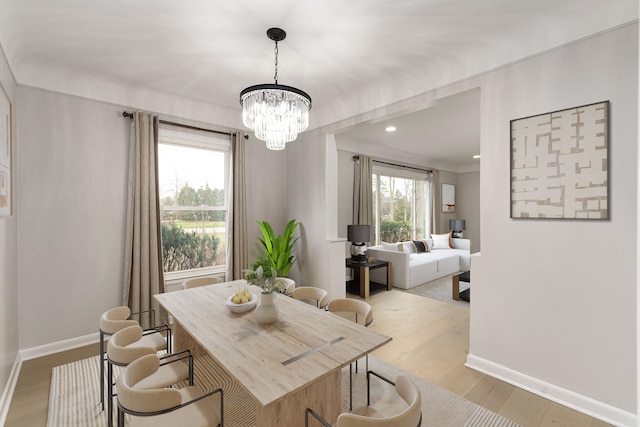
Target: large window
pixel 401 204
pixel 193 174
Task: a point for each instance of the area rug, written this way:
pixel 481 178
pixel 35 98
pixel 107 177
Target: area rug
pixel 439 289
pixel 74 398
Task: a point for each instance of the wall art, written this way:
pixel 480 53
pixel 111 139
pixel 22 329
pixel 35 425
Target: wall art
pixel 559 164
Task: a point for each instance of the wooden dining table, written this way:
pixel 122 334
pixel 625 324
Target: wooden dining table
pixel 287 366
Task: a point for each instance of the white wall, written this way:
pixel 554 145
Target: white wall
pixel 468 206
pixel 9 328
pixel 554 301
pixel 72 184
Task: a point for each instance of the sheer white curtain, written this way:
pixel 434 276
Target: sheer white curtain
pixel 237 252
pixel 143 275
pixel 362 190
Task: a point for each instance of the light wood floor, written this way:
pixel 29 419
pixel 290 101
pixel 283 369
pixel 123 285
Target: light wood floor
pixel 430 339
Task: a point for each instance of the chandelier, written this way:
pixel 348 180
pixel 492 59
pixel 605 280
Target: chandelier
pixel 276 113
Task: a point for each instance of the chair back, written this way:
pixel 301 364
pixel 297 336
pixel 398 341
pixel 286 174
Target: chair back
pixel 144 401
pixel 410 417
pixel 319 295
pixel 350 305
pixel 119 349
pixel 200 281
pixel 115 319
pixel 290 285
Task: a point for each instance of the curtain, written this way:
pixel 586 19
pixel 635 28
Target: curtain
pixel 362 190
pixel 143 276
pixel 436 202
pixel 237 252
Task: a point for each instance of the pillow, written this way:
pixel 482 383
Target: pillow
pixel 408 247
pixel 429 243
pixel 441 241
pixel 392 246
pixel 421 246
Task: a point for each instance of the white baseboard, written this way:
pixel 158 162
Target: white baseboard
pixel 58 346
pixel 7 394
pixel 573 400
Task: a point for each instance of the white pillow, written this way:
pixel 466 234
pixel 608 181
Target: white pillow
pixel 441 241
pixel 392 246
pixel 408 247
pixel 429 243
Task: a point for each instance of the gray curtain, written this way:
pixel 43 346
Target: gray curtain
pixel 362 190
pixel 143 276
pixel 237 252
pixel 436 202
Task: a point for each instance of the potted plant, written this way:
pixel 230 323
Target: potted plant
pixel 278 249
pixel 268 283
pixel 267 312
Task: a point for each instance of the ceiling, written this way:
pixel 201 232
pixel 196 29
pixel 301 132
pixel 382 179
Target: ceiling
pixel 351 56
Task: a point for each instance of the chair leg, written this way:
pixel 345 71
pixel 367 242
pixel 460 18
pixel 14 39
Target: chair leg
pixel 110 394
pixel 102 369
pixel 120 417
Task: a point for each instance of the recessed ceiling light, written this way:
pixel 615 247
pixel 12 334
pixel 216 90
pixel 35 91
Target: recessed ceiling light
pixel 390 129
pixel 477 156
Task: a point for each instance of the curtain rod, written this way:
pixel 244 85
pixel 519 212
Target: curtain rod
pixel 164 122
pixel 357 157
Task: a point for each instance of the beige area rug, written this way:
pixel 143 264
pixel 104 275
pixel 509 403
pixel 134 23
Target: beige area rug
pixel 439 289
pixel 74 399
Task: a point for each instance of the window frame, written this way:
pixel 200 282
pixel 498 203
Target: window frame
pixel 206 140
pixel 401 172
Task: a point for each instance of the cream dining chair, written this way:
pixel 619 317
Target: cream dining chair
pixel 356 308
pixel 117 318
pixel 313 294
pixel 369 416
pixel 200 281
pixel 155 407
pixel 127 345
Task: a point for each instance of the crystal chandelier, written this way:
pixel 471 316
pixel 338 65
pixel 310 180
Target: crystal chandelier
pixel 276 113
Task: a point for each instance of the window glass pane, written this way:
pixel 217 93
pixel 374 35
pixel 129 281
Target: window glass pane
pixel 400 205
pixel 192 206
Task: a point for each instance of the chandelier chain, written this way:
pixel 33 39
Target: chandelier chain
pixel 275 50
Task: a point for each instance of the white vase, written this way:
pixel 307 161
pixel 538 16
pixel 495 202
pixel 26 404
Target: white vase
pixel 267 311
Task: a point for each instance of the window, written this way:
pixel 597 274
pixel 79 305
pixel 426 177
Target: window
pixel 401 204
pixel 193 174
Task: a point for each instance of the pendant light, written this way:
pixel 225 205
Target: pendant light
pixel 276 113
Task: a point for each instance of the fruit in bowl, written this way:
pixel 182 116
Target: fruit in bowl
pixel 242 301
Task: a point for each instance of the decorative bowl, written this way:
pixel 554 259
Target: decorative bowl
pixel 241 308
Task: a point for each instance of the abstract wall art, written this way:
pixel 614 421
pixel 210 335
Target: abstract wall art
pixel 559 164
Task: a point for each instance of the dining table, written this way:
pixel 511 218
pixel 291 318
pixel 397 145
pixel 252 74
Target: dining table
pixel 287 366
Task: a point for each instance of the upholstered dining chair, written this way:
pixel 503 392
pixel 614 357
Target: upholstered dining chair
pixel 127 345
pixel 356 308
pixel 200 281
pixel 117 318
pixel 311 293
pixel 186 406
pixel 290 285
pixel 369 416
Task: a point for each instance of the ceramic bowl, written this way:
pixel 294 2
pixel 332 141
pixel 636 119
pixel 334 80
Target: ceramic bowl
pixel 241 308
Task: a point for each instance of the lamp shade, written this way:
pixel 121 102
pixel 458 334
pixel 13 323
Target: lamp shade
pixel 358 233
pixel 457 224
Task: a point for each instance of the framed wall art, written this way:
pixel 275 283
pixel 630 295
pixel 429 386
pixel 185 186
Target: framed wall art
pixel 560 164
pixel 6 177
pixel 448 198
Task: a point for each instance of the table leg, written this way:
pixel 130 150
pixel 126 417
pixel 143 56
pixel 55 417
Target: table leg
pixel 455 287
pixel 364 282
pixel 323 396
pixel 389 276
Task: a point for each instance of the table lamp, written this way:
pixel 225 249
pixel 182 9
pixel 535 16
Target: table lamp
pixel 457 226
pixel 358 235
